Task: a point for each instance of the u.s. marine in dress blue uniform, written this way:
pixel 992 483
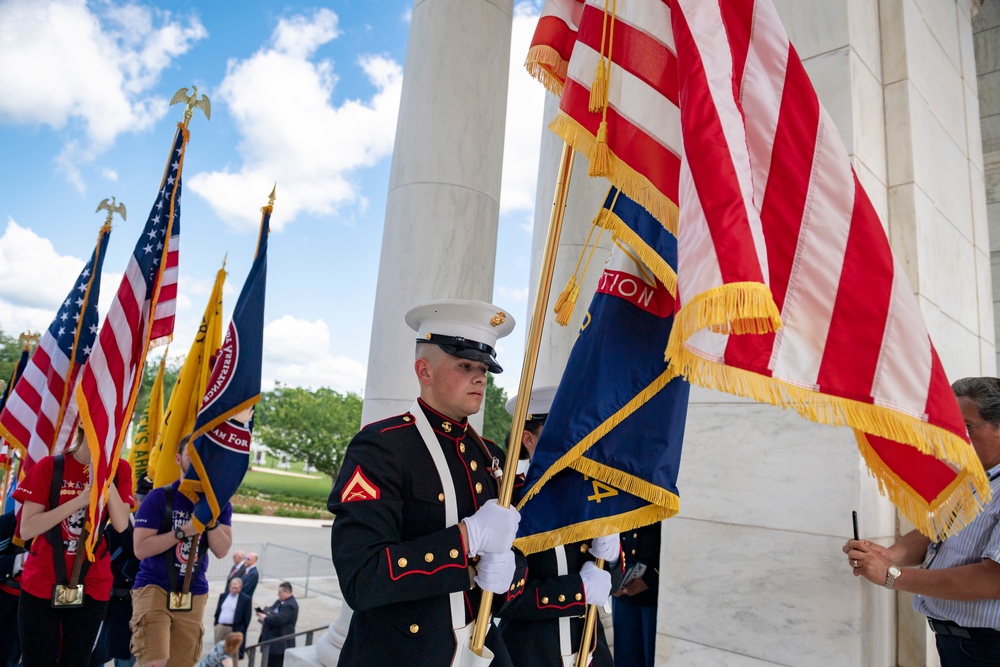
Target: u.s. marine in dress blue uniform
pixel 396 560
pixel 543 624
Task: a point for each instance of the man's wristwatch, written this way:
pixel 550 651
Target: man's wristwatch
pixel 179 534
pixel 890 576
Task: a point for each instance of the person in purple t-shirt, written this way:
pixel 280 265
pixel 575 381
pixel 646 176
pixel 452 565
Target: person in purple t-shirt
pixel 164 541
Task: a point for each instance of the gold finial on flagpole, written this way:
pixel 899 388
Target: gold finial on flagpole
pixel 271 197
pixel 28 340
pixel 109 205
pixel 193 102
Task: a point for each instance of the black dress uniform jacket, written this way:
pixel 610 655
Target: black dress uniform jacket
pixel 530 621
pixel 642 545
pixel 396 561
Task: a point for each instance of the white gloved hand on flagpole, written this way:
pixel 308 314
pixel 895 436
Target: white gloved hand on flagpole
pixel 495 571
pixel 596 583
pixel 607 548
pixel 492 528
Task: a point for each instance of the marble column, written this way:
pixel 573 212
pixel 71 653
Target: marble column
pixel 442 209
pixel 443 205
pixel 585 198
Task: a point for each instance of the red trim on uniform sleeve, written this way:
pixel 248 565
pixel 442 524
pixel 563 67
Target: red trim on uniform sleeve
pixel 397 577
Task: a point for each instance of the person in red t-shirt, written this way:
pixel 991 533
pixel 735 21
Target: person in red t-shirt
pixel 65 635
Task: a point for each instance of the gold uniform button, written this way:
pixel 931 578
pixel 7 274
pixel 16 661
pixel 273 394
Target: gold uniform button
pixel 453 553
pixel 401 562
pixel 479 487
pixel 521 583
pixel 473 465
pixel 512 586
pixel 406 419
pixel 583 548
pixel 635 534
pixel 545 600
pixel 562 598
pixel 414 629
pixel 633 552
pixel 579 597
pixel 441 497
pixel 461 447
pixel 429 557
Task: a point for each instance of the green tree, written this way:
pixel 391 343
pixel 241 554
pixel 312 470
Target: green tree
pixel 10 353
pixel 496 421
pixel 311 426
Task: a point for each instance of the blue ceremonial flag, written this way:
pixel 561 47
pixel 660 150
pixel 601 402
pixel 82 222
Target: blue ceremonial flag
pixel 220 444
pixel 609 454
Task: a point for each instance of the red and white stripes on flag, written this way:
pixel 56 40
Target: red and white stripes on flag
pixel 162 329
pixel 643 121
pixel 110 381
pixel 40 415
pixel 788 291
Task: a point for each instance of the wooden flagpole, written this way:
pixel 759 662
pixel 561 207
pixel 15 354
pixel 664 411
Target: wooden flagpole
pixel 530 361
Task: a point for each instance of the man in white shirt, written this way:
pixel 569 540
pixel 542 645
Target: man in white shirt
pixel 232 614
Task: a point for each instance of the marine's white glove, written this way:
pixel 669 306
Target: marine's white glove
pixel 607 548
pixel 492 528
pixel 496 570
pixel 596 583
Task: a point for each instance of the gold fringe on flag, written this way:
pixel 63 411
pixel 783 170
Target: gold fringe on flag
pixel 600 152
pixel 577 451
pixel 633 184
pixel 547 67
pixel 585 530
pixel 649 257
pixel 938 519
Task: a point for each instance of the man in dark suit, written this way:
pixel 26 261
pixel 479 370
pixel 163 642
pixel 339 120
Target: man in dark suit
pixel 250 575
pixel 239 566
pixel 232 613
pixel 279 621
pixel 418 531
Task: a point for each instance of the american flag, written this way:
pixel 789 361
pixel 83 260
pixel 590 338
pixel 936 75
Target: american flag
pixel 788 292
pixel 40 416
pixel 110 381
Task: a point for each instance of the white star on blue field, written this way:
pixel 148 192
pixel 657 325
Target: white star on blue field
pixel 305 95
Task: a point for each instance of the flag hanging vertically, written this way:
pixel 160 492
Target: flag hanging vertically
pixel 608 457
pixel 145 431
pixel 220 444
pixel 110 381
pixel 631 49
pixel 42 402
pixel 787 287
pixel 770 208
pixel 192 380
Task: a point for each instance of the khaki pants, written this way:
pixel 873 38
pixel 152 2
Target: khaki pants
pixel 221 631
pixel 161 634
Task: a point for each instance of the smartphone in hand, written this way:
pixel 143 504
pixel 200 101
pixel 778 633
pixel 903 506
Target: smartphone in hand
pixel 854 517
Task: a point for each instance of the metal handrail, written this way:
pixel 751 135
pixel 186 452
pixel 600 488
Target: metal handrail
pixel 251 651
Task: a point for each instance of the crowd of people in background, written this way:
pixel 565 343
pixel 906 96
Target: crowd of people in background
pixel 128 603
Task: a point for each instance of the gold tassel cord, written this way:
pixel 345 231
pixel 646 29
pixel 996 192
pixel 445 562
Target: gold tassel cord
pixel 634 185
pixel 571 292
pixel 598 101
pixel 600 154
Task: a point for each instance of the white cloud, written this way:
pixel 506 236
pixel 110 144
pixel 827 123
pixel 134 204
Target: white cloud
pixel 297 353
pixel 64 61
pixel 523 130
pixel 34 280
pixel 110 174
pixel 512 294
pixel 298 137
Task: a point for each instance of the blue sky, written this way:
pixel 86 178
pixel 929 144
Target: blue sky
pixel 304 94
